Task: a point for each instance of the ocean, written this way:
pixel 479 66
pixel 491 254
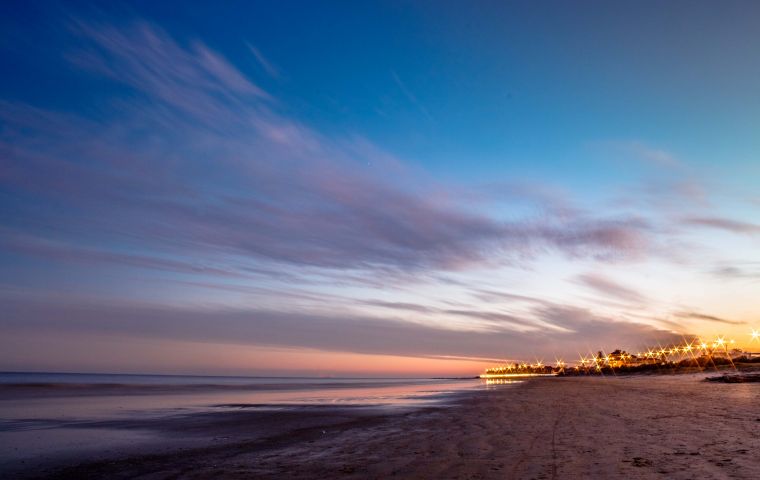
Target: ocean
pixel 47 416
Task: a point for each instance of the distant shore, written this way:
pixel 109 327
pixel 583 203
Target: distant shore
pixel 652 426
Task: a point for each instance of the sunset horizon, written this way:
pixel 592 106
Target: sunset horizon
pixel 187 188
pixel 297 227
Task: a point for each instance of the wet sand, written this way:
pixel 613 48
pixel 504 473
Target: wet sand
pixel 634 427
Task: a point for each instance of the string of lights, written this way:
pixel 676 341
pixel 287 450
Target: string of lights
pixel 695 350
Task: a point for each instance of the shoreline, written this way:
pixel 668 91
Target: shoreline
pixel 181 439
pixel 46 430
pixel 668 426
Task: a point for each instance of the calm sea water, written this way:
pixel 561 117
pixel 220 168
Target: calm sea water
pixel 185 390
pixel 43 415
pixel 10 378
pixel 67 396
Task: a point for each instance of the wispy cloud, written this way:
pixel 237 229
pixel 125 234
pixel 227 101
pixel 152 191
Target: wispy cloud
pixel 655 156
pixel 580 330
pixel 265 64
pixel 191 170
pixel 726 224
pixel 192 79
pixel 410 96
pixel 404 306
pixel 607 286
pixel 206 164
pixel 705 317
pixel 641 152
pixel 747 271
pixel 499 296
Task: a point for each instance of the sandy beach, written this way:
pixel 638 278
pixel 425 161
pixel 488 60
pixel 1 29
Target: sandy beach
pixel 613 427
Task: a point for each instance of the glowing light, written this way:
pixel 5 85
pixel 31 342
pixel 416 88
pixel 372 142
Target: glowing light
pixel 755 334
pixel 515 375
pixel 671 354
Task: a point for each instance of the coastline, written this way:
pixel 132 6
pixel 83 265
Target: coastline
pixel 675 426
pixel 48 425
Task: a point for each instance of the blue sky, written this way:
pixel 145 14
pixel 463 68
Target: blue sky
pixel 433 183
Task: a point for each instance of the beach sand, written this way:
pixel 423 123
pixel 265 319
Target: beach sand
pixel 633 427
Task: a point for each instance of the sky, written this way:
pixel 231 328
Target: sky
pixel 373 188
